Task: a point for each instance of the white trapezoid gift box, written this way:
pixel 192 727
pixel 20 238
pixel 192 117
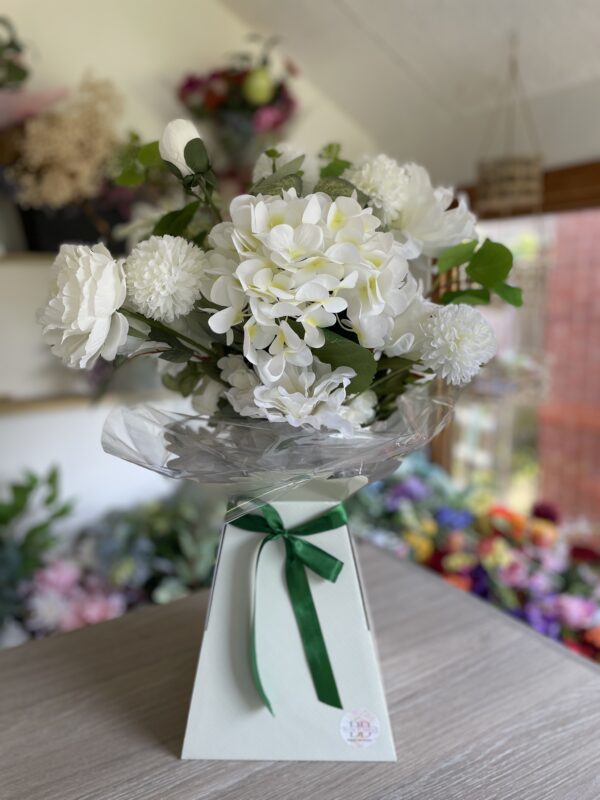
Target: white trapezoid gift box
pixel 227 718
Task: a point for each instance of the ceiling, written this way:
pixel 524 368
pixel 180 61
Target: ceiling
pixel 425 76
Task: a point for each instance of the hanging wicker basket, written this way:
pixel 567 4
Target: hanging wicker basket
pixel 510 184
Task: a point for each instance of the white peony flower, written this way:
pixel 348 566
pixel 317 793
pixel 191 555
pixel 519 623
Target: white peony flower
pixel 407 336
pixel 405 199
pixel 81 320
pixel 306 396
pixel 360 410
pixel 171 146
pixel 458 340
pixel 310 396
pixel 426 218
pixel 310 166
pixel 164 274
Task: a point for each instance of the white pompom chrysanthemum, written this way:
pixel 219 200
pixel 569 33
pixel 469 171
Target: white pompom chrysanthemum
pixel 458 340
pixel 163 277
pixel 383 179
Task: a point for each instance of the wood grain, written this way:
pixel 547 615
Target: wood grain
pixel 482 708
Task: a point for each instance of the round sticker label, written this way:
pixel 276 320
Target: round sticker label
pixel 359 728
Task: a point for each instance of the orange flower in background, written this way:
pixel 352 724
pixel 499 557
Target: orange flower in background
pixel 542 532
pixel 592 636
pixel 456 541
pixel 462 582
pixel 507 522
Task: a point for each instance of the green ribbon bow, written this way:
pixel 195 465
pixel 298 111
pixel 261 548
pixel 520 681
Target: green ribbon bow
pixel 299 554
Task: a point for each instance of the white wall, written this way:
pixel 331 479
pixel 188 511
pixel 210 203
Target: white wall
pixel 145 47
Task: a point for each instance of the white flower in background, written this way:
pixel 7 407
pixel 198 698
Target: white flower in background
pixel 173 141
pixel 360 410
pixel 164 274
pixel 383 179
pixel 458 340
pixel 405 199
pixel 12 634
pixel 310 166
pixel 81 320
pixel 47 609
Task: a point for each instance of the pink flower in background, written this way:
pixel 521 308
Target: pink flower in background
pixel 541 583
pixel 516 573
pixel 574 611
pixel 268 118
pixel 62 576
pixel 89 608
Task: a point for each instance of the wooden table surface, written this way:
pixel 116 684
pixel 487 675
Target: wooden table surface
pixel 482 709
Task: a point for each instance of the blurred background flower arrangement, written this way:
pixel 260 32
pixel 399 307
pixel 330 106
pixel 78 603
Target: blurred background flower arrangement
pixel 529 566
pixel 248 104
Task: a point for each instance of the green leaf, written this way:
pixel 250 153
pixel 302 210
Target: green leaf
pixel 340 187
pixel 196 156
pixel 472 297
pixel 338 351
pixel 455 256
pixel 291 168
pixel 331 151
pixel 172 168
pixel 131 175
pixel 178 355
pixel 149 155
pixel 185 381
pixel 175 222
pixel 275 185
pixel 510 294
pixel 491 264
pixel 335 168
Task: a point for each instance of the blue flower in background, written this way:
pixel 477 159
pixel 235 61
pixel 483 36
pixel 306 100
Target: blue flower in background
pixel 453 518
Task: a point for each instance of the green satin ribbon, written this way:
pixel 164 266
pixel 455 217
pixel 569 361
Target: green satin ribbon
pixel 299 554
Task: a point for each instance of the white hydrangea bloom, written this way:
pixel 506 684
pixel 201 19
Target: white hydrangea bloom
pixel 458 340
pixel 406 200
pixel 243 382
pixel 310 166
pixel 81 321
pixel 164 275
pixel 308 259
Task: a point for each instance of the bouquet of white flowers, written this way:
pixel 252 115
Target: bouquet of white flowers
pixel 311 305
pixel 310 335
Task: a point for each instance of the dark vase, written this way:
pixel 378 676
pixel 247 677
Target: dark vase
pixel 46 229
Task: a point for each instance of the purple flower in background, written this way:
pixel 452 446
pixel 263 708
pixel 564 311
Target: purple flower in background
pixel 574 611
pixel 542 618
pixel 412 488
pixel 454 518
pixel 480 582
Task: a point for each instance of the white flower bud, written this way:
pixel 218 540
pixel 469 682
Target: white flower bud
pixel 173 141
